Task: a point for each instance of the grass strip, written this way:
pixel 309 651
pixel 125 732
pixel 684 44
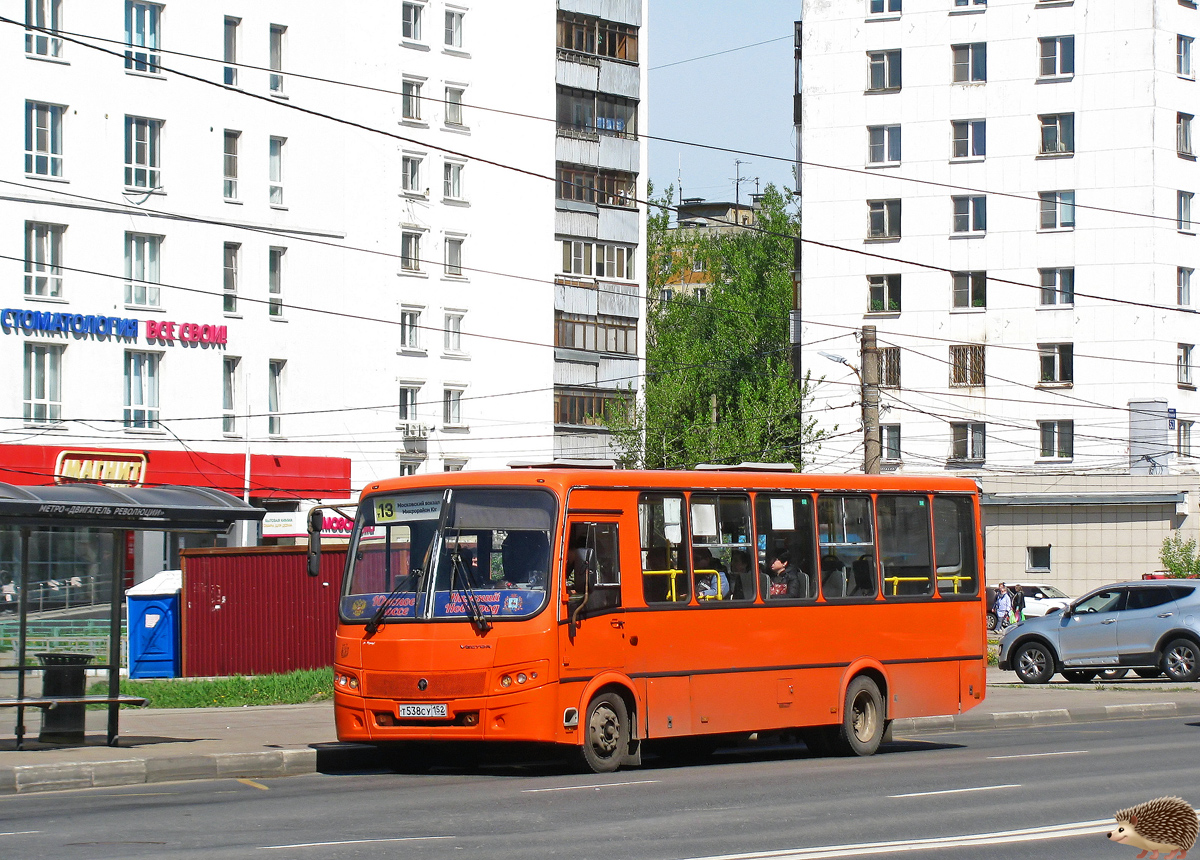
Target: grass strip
pixel 293 688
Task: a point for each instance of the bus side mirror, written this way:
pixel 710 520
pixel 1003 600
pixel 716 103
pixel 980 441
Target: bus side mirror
pixel 316 522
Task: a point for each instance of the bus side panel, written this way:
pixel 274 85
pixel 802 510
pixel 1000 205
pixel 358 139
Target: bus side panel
pixel 922 689
pixel 763 701
pixel 669 706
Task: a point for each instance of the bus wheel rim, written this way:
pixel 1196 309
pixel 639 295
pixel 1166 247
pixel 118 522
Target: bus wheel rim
pixel 604 731
pixel 864 717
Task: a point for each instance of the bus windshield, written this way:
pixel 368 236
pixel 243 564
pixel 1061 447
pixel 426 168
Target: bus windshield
pixel 455 553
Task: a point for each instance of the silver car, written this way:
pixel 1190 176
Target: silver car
pixel 1150 626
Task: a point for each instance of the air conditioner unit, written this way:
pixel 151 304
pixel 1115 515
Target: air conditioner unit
pixel 414 430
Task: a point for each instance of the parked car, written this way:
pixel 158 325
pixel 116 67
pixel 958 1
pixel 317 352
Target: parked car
pixel 1149 626
pixel 1040 599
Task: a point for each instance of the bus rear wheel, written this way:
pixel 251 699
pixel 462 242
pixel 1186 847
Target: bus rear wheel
pixel 862 726
pixel 606 733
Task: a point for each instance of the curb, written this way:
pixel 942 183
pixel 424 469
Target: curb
pixel 1050 717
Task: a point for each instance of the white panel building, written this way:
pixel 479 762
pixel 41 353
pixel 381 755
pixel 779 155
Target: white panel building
pixel 202 263
pixel 1006 190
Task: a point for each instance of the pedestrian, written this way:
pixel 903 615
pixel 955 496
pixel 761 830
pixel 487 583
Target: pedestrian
pixel 1003 606
pixel 1018 603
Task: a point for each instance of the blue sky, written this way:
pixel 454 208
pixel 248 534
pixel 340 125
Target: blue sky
pixel 740 100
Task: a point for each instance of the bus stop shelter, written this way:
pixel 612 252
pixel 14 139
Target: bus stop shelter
pixel 117 510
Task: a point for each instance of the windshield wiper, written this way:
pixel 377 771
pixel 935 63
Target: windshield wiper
pixel 373 623
pixel 474 610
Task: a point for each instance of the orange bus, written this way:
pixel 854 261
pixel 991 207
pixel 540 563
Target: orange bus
pixel 601 609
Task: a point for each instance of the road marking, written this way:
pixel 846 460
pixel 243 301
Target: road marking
pixel 20 833
pixel 254 784
pixel 1004 837
pixel 957 790
pixel 1039 755
pixel 352 842
pixel 598 786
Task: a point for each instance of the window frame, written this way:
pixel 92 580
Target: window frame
pixel 453 106
pixel 968 290
pixel 410 251
pixel 1183 135
pixel 1184 66
pixel 150 268
pixel 276 380
pixel 1183 211
pixel 410 329
pixel 410 99
pixel 1056 364
pixel 973 139
pixel 46 15
pixel 888 214
pixel 145 412
pixel 972 220
pixel 1054 289
pixel 50 134
pixel 1183 285
pixel 889 144
pixel 884 293
pixel 229 165
pixel 452 334
pixel 452 416
pixel 42 372
pixel 1058 134
pixel 1056 203
pixel 452 180
pixel 147 61
pixel 143 153
pixel 1056 439
pixel 276 163
pixel 412 165
pixel 1184 431
pixel 276 261
pixel 231 264
pixel 1062 54
pixel 230 384
pixel 889 438
pixel 229 46
pixel 972 69
pixel 409 397
pixel 44 259
pixel 276 51
pixel 1184 360
pixel 412 20
pixel 885 67
pixel 453 266
pixel 452 37
pixel 968 442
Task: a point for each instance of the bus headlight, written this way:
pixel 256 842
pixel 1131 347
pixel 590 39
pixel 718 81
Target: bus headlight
pixel 345 680
pixel 521 678
pixel 506 681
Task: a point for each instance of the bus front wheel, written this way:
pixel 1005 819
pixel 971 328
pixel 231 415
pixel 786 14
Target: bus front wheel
pixel 606 737
pixel 862 726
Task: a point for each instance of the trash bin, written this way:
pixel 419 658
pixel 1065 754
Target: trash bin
pixel 152 608
pixel 64 676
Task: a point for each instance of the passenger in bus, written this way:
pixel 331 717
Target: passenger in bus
pixel 711 581
pixel 786 581
pixel 739 574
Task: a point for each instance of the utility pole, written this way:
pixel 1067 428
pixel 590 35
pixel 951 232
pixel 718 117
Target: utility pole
pixel 872 446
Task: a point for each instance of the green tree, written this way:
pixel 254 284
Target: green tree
pixel 719 386
pixel 1179 556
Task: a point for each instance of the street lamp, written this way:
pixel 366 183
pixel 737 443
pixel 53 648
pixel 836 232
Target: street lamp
pixel 869 383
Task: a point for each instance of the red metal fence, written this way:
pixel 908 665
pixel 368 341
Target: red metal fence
pixel 255 610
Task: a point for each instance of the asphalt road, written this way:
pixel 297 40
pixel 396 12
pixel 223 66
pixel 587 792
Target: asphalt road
pixel 1046 792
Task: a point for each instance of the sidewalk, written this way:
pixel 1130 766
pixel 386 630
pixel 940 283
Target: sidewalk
pixel 288 740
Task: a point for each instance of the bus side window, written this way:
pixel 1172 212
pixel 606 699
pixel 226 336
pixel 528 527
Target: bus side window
pixel 594 548
pixel 847 547
pixel 904 545
pixel 665 576
pixel 954 545
pixel 721 547
pixel 785 535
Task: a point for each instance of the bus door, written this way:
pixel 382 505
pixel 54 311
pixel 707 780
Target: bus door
pixel 592 630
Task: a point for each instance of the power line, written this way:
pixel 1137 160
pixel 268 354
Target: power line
pixel 720 53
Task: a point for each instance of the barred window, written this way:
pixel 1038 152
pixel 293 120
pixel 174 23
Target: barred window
pixel 966 365
pixel 889 367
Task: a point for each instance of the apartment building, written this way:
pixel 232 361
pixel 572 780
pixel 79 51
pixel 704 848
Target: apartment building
pixel 268 249
pixel 1004 190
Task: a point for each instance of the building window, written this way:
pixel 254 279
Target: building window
pixel 596 113
pixel 275 371
pixel 454 29
pixel 1037 558
pixel 883 219
pixel 1057 210
pixel 410 100
pixel 1057 439
pixel 141 390
pixel 276 167
pixel 968 441
pixel 1183 438
pixel 410 251
pixel 1056 362
pixel 970 289
pixel 43 259
pixel 45 15
pixel 452 407
pixel 603 187
pixel 970 2
pixel 890 437
pixel 1183 133
pixel 1183 278
pixel 410 329
pixel 143 156
pixel 275 282
pixel 454 106
pixel 231 164
pixel 889 367
pixel 143 23
pixel 611 261
pixel 278 33
pixel 231 42
pixel 452 172
pixel 883 292
pixel 970 138
pixel 229 389
pixel 410 174
pixel 453 465
pixel 1058 133
pixel 43 383
pixel 885 70
pixel 595 333
pixel 970 214
pixel 1183 210
pixel 967 365
pixel 585 407
pixel 410 21
pixel 452 332
pixel 1057 55
pixel 43 139
pixel 142 255
pixel 229 284
pixel 408 402
pixel 454 249
pixel 1058 286
pixel 593 36
pixel 1183 57
pixel 883 144
pixel 1183 364
pixel 878 7
pixel 970 62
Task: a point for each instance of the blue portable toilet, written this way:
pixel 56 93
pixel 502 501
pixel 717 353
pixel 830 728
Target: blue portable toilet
pixel 152 610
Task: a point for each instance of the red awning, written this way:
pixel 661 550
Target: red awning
pixel 271 476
